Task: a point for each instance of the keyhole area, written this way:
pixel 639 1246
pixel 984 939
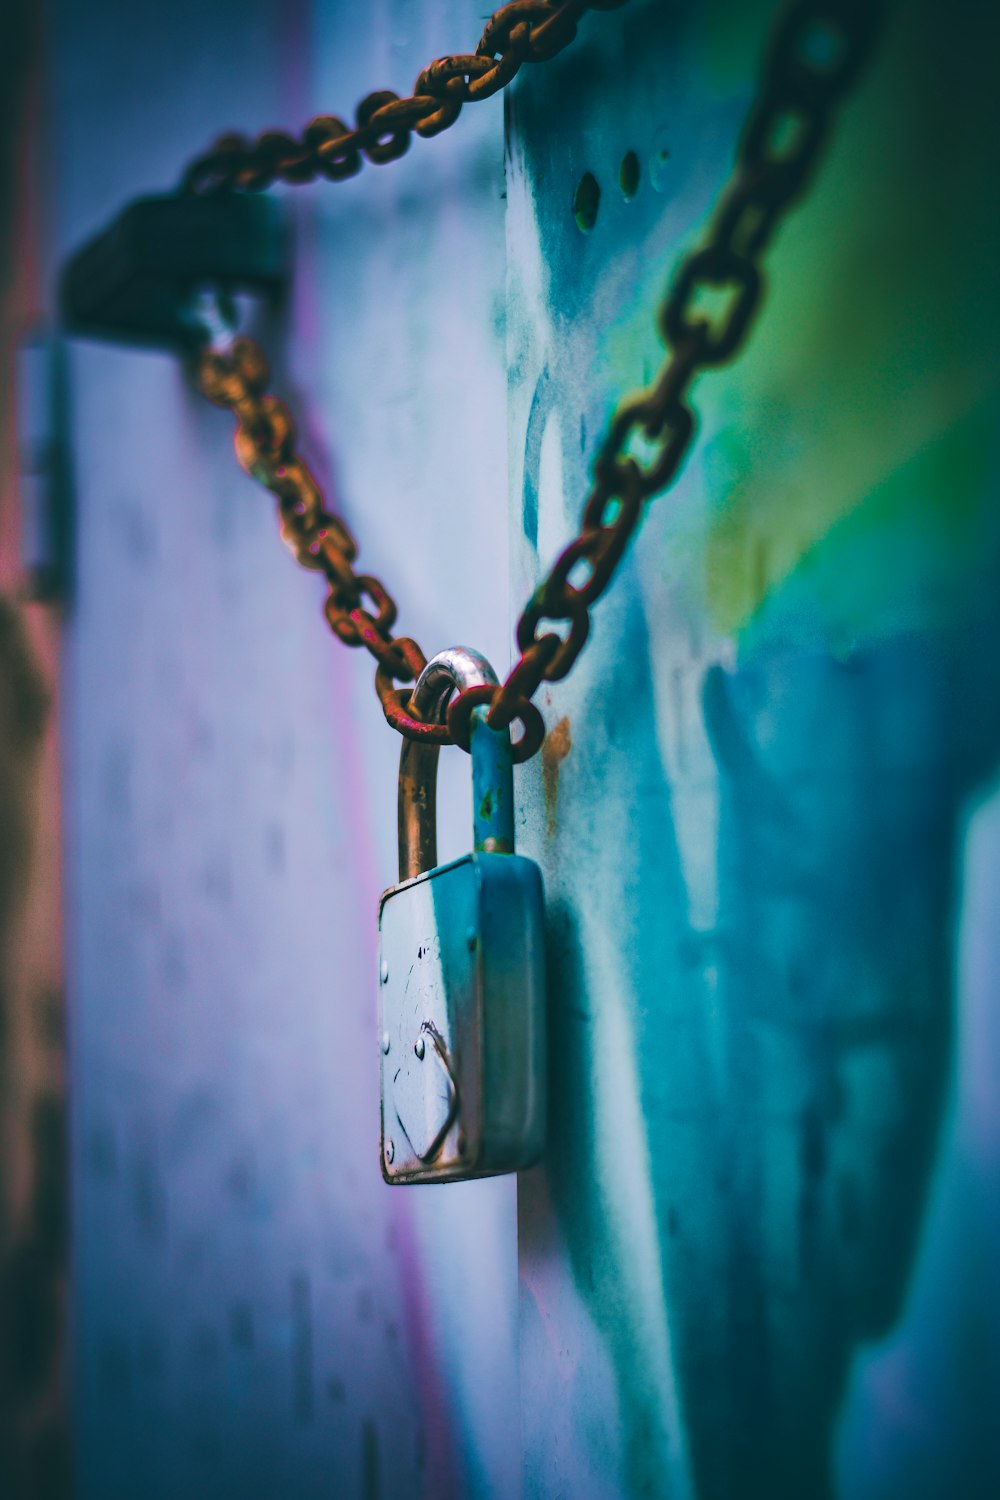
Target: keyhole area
pixel 628 174
pixel 586 201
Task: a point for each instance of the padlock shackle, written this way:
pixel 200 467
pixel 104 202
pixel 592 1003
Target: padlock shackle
pixel 492 785
pixel 451 672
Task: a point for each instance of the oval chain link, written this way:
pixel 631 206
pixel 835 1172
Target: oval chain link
pixel 815 53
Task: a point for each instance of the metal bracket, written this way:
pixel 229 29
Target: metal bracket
pixel 135 282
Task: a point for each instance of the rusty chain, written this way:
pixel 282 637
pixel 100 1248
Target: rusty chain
pixel 236 377
pixel 814 55
pixel 524 31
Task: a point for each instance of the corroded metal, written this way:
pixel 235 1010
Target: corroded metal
pixel 452 671
pixel 523 31
pixel 235 376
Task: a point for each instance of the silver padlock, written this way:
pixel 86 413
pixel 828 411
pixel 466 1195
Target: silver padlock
pixel 461 966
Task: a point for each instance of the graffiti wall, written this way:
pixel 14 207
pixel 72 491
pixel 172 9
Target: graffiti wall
pixel 757 1257
pixel 765 811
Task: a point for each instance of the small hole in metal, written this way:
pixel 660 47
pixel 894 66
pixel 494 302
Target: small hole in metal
pixel 585 202
pixel 659 163
pixel 628 174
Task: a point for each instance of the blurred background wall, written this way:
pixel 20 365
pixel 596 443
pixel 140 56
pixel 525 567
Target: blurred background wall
pixel 757 1258
pixel 34 1448
pixel 254 1312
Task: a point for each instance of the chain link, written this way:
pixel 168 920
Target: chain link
pixel 236 378
pixel 524 31
pixel 814 55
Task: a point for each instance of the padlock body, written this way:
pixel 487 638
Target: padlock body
pixel 462 1020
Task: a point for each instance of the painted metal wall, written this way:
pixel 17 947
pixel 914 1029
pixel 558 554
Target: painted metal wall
pixel 255 1313
pixel 764 811
pixel 773 925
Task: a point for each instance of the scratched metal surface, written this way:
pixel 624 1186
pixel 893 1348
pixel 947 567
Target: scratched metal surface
pixel 254 1312
pixel 755 1260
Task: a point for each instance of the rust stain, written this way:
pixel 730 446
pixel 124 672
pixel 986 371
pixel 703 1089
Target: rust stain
pixel 555 748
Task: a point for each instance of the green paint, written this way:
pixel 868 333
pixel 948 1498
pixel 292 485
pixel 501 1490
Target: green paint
pixel 874 361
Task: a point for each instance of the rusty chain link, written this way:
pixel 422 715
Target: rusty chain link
pixel 236 378
pixel 524 31
pixel 814 54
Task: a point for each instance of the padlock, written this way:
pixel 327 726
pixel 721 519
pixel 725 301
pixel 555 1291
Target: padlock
pixel 136 281
pixel 461 967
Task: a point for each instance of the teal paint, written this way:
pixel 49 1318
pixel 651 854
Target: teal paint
pixel 787 701
pixel 492 786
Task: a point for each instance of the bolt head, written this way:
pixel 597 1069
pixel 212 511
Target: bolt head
pixel 385 1041
pixel 420 1047
pixel 390 1151
pixel 384 971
